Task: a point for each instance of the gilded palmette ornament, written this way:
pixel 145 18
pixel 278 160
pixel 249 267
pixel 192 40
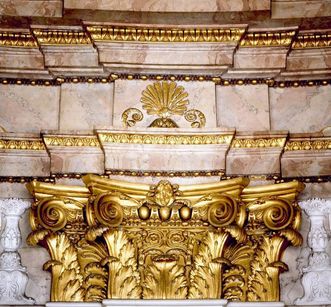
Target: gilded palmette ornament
pixel 165 278
pixel 164 99
pixel 122 240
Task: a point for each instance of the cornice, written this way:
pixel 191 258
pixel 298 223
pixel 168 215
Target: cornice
pixel 110 33
pixel 61 37
pixel 298 145
pixel 20 40
pixel 268 39
pixel 164 35
pixel 71 141
pixel 312 40
pixel 165 139
pixel 258 142
pixel 23 144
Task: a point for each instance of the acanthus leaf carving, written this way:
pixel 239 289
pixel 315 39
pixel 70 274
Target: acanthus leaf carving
pixel 135 241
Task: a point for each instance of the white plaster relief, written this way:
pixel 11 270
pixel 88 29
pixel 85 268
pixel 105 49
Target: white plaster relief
pixel 13 276
pixel 316 279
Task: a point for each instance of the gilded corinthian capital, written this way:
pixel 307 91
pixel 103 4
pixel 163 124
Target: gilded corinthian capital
pixel 114 239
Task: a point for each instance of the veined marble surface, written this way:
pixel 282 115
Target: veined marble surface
pixel 302 109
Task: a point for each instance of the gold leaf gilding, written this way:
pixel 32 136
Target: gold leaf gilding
pixel 123 240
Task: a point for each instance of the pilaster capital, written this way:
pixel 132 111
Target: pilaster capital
pixel 316 206
pixel 13 206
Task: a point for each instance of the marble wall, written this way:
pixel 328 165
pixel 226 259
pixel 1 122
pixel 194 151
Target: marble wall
pixel 84 107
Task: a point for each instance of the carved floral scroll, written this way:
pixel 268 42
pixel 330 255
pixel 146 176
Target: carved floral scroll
pixel 116 239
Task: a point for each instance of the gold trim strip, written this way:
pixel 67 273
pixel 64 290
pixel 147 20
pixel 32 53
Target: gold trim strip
pixel 187 78
pixel 70 141
pixel 159 35
pixel 165 139
pixel 308 145
pixel 12 39
pixel 22 144
pixel 271 177
pixel 258 143
pixel 265 39
pixel 147 173
pixel 312 40
pixel 61 37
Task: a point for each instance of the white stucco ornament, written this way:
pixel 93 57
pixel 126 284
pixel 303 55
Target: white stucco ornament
pixel 13 276
pixel 316 279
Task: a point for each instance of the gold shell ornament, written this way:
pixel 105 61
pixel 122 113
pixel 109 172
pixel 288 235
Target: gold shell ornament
pixel 164 99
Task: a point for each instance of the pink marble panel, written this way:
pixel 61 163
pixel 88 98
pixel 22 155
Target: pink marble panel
pixel 21 58
pixel 26 108
pixel 309 59
pixel 71 56
pixel 170 5
pixel 302 109
pixel 306 163
pixel 253 161
pixel 166 53
pixel 164 157
pixel 24 163
pixel 76 160
pixel 42 8
pixel 263 58
pixel 86 106
pixel 243 107
pixel 300 8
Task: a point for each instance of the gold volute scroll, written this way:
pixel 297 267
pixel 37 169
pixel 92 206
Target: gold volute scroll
pixel 120 240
